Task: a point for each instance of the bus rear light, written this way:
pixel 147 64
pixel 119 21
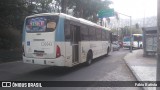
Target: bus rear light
pixel 58 51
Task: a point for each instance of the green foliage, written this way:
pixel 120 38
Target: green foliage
pixel 10 38
pixel 12 16
pixel 86 9
pixel 12 13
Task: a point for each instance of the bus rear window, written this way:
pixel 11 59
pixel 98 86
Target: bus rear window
pixel 126 39
pixel 41 24
pixel 137 38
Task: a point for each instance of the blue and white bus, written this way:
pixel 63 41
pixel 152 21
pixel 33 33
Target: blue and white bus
pixel 135 41
pixel 61 40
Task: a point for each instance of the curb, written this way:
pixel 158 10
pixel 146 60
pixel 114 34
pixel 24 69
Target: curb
pixel 10 62
pixel 133 72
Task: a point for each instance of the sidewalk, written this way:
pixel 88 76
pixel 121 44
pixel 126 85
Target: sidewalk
pixel 144 68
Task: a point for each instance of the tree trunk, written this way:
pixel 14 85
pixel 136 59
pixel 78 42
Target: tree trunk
pixel 95 18
pixel 64 5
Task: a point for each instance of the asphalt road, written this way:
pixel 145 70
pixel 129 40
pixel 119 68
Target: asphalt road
pixel 111 68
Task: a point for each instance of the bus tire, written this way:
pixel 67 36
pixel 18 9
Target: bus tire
pixel 141 46
pixel 89 58
pixel 108 51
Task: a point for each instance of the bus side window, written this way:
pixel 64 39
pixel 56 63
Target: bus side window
pixel 72 29
pixel 107 35
pixel 99 34
pixel 67 30
pixel 84 33
pixel 92 34
pixel 103 35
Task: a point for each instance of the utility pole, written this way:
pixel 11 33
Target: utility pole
pixel 101 21
pixel 158 40
pixel 131 34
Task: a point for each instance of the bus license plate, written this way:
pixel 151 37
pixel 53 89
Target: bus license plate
pixel 39 54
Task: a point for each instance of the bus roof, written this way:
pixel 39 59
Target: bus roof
pixel 81 20
pixel 137 34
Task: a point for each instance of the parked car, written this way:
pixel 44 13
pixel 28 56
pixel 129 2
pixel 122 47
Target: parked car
pixel 115 46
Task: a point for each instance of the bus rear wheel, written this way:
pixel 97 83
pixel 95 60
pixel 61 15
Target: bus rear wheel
pixel 141 46
pixel 107 52
pixel 89 58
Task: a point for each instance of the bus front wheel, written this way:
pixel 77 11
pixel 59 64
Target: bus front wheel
pixel 141 46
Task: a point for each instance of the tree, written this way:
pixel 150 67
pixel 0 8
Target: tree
pixel 12 13
pixel 39 6
pixel 12 16
pixel 88 9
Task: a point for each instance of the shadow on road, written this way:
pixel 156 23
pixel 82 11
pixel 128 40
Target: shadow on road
pixel 61 71
pixel 52 73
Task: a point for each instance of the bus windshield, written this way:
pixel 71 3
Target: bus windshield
pixel 41 24
pixel 137 38
pixel 126 39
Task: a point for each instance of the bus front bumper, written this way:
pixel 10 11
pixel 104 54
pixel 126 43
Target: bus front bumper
pixel 126 46
pixel 53 62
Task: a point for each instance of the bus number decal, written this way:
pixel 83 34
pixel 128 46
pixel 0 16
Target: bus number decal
pixel 46 44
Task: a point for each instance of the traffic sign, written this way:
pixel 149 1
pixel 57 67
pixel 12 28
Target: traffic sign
pixel 105 13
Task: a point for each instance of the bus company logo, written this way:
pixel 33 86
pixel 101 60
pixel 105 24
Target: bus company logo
pixel 46 44
pixel 6 84
pixel 28 43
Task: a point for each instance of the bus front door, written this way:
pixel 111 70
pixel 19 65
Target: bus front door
pixel 75 38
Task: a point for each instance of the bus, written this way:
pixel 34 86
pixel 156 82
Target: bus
pixel 58 39
pixel 136 41
pixel 114 38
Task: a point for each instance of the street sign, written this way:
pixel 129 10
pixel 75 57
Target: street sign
pixel 105 13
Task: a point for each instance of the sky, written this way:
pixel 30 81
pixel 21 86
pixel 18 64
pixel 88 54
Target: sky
pixel 135 8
